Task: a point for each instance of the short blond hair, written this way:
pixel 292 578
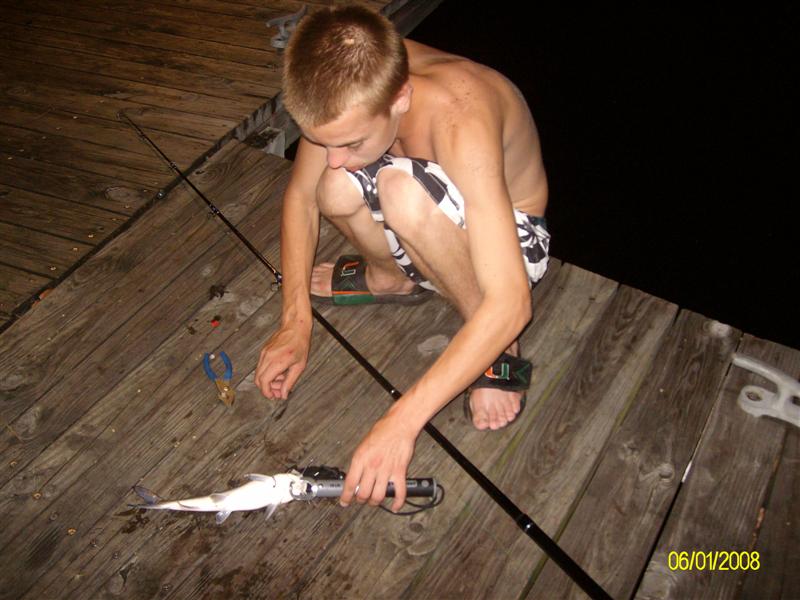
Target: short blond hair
pixel 341 57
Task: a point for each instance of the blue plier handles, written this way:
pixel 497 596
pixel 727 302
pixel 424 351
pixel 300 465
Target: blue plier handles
pixel 226 391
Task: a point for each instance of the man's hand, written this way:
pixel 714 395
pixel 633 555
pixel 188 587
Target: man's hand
pixel 382 456
pixel 282 360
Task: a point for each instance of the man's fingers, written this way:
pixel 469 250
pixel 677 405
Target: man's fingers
pixel 379 491
pixel 264 377
pixel 365 487
pixel 350 484
pixel 289 379
pixel 399 492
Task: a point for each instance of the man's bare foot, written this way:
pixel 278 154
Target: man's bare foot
pixel 492 408
pixel 378 283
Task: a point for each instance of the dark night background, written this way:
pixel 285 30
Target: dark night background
pixel 668 136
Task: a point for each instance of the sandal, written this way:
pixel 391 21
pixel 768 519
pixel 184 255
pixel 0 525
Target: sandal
pixel 349 286
pixel 508 373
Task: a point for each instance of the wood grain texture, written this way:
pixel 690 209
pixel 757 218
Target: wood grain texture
pixel 91 189
pixel 548 464
pixel 779 533
pixel 23 75
pixel 405 551
pixel 112 134
pixel 149 37
pixel 69 220
pixel 42 254
pixel 719 506
pixel 145 20
pixel 15 286
pixel 618 519
pixel 64 151
pixel 122 277
pixel 129 340
pixel 180 61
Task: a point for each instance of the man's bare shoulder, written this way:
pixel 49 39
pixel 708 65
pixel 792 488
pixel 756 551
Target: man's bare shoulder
pixel 452 81
pixel 463 107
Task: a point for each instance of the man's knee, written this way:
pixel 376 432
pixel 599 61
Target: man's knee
pixel 336 194
pixel 405 204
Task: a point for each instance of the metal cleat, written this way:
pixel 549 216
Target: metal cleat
pixel 759 401
pixel 285 25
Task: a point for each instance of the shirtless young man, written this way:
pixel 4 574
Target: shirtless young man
pixel 468 226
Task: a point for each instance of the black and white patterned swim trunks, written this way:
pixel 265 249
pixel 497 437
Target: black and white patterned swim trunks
pixel 534 239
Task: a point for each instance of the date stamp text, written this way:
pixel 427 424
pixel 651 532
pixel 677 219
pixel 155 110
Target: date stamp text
pixel 714 560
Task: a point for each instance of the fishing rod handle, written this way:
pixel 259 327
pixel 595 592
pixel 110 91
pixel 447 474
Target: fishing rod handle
pixel 421 487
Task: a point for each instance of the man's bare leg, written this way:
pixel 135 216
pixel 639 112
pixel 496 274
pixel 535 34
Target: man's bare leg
pixel 342 204
pixel 424 232
pixel 439 249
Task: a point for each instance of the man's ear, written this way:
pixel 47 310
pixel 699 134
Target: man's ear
pixel 402 101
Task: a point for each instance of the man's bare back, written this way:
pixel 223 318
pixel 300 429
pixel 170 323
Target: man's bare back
pixel 443 83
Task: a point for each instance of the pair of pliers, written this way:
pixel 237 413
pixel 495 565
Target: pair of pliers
pixel 226 391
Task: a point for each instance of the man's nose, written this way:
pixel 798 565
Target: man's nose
pixel 337 157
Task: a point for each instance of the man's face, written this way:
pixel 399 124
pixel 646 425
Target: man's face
pixel 356 139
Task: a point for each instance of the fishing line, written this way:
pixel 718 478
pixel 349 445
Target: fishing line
pixel 523 521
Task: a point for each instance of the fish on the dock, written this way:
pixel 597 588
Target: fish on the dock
pixel 259 492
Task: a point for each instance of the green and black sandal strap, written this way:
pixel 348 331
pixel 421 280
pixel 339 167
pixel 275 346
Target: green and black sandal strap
pixel 508 373
pixel 349 281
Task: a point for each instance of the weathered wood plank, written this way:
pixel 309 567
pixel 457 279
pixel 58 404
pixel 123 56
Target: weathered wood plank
pixel 718 507
pixel 40 253
pixel 779 535
pixel 69 220
pixel 548 464
pixel 401 553
pixel 35 93
pixel 239 445
pixel 620 514
pixel 118 442
pixel 190 29
pixel 190 63
pixel 130 343
pixel 123 276
pixel 16 286
pixel 234 90
pixel 93 189
pixel 113 134
pixel 144 37
pixel 239 437
pixel 22 74
pixel 183 18
pixel 332 407
pixel 86 156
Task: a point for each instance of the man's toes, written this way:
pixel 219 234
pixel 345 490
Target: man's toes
pixel 480 420
pixel 512 409
pixel 499 421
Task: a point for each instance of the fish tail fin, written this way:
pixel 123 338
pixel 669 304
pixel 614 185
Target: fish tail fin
pixel 146 495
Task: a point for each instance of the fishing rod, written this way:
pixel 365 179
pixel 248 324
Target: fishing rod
pixel 523 521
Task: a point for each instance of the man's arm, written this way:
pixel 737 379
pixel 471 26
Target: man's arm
pixel 284 356
pixel 469 148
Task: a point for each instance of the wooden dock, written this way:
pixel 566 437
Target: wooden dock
pixel 193 73
pixel 102 388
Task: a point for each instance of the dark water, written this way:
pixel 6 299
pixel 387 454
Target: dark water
pixel 669 137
